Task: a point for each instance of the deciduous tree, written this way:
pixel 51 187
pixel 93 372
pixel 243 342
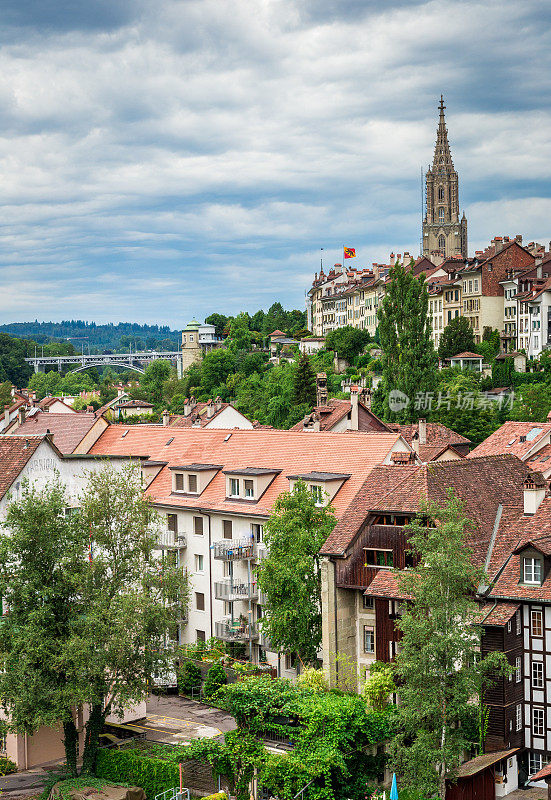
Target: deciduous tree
pixel 91 605
pixel 290 575
pixel 348 342
pixel 438 667
pixel 457 337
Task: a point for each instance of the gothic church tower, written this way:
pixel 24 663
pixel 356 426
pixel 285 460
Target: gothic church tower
pixel 443 232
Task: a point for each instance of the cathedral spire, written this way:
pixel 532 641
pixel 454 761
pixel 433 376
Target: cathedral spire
pixel 442 153
pixel 444 234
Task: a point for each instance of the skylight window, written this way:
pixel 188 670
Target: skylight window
pixel 533 433
pixel 511 442
pixel 124 434
pixel 169 441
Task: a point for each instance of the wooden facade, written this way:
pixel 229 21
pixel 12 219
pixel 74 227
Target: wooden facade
pixel 352 572
pixel 507 693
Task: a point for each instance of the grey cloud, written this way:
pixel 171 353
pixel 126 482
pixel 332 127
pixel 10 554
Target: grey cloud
pixel 68 15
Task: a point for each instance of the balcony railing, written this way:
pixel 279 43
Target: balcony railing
pixel 229 550
pixel 235 590
pixel 169 540
pixel 236 631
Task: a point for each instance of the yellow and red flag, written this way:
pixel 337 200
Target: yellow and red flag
pixel 350 252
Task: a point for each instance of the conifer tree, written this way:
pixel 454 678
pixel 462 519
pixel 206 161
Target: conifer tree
pixel 409 359
pixel 304 382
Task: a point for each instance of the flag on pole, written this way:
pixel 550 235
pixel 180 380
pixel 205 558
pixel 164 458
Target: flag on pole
pixel 350 252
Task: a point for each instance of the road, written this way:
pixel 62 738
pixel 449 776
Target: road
pixel 170 719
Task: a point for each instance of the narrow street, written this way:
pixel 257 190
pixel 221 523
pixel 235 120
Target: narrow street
pixel 170 719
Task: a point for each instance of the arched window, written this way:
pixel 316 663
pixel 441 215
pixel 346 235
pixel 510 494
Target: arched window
pixel 441 243
pixel 440 193
pixel 441 214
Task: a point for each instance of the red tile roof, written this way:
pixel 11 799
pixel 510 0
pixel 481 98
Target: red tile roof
pixel 497 614
pixel 46 402
pixel 136 404
pixel 437 434
pixel 288 451
pixel 68 430
pixel 198 415
pixel 335 410
pixel 386 584
pixel 466 354
pixel 541 461
pixel 544 773
pixel 15 451
pixel 507 439
pixel 482 483
pixel 515 532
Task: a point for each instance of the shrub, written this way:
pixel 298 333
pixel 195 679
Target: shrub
pixel 216 677
pixel 379 686
pixel 189 677
pixel 7 767
pixel 313 679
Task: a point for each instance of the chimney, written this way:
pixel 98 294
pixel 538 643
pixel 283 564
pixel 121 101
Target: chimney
pixel 415 443
pixel 165 417
pixel 534 492
pixel 187 408
pixel 7 416
pixel 321 389
pixel 210 409
pixel 192 402
pixel 21 415
pixel 218 403
pixel 365 397
pixel 539 272
pixel 518 238
pixel 354 415
pixel 422 431
pixel 392 259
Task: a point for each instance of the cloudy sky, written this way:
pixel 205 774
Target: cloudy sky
pixel 162 159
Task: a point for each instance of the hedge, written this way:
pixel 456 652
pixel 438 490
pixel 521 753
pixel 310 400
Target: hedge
pixel 130 766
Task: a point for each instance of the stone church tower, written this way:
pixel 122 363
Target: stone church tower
pixel 444 233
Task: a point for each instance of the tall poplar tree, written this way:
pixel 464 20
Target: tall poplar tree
pixel 409 359
pixel 439 670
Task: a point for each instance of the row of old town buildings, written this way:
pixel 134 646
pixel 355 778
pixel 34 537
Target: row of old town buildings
pixel 215 487
pixel 506 286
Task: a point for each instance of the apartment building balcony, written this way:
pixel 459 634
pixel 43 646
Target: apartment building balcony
pixel 230 550
pixel 235 590
pixel 236 630
pixel 169 540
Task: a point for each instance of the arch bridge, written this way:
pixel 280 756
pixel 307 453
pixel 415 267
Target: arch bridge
pixel 133 361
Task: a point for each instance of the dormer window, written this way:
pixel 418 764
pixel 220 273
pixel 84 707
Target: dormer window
pixel 532 570
pixel 317 494
pixel 234 487
pixel 179 481
pixel 192 483
pixel 249 488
